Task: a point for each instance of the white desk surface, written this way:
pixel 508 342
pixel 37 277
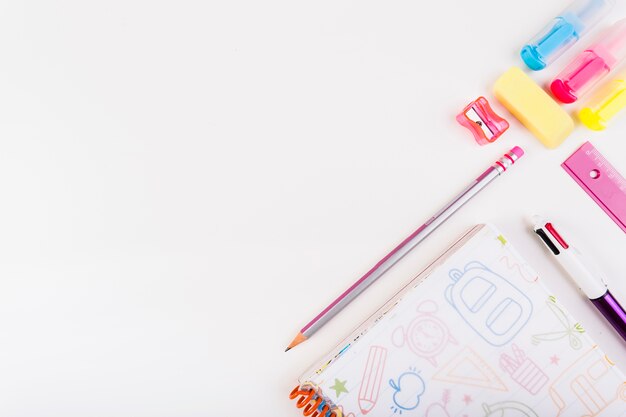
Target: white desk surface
pixel 186 183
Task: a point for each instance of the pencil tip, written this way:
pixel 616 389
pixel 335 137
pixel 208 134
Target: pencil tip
pixel 296 341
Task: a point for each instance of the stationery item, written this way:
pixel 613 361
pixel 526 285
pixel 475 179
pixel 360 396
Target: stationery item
pixel 564 31
pixel 470 335
pixel 600 180
pixel 523 370
pixel 482 121
pixel 588 279
pixel 609 100
pixel 533 107
pixel 415 238
pixel 592 65
pixel 372 378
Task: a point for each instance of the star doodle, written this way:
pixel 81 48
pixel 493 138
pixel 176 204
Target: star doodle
pixel 339 387
pixel 467 399
pixel 554 360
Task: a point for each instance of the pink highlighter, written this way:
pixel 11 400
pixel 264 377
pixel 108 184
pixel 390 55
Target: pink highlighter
pixel 590 66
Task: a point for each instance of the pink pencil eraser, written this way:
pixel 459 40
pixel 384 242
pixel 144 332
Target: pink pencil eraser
pixel 517 151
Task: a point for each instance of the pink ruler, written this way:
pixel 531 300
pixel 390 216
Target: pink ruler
pixel 600 180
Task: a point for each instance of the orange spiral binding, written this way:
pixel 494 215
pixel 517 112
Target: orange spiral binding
pixel 314 404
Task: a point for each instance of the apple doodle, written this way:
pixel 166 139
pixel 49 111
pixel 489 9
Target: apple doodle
pixel 408 390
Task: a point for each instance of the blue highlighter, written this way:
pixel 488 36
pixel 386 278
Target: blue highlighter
pixel 564 31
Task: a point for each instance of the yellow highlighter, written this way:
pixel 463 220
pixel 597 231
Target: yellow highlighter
pixel 605 104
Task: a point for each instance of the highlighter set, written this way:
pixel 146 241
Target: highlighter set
pixel 533 106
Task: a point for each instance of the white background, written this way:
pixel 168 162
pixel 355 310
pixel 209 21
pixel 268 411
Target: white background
pixel 186 183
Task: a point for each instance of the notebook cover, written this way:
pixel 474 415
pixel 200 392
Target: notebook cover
pixel 475 334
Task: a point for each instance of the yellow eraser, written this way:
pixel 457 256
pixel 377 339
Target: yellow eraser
pixel 533 107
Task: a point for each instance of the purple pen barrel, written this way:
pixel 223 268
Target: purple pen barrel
pixel 613 312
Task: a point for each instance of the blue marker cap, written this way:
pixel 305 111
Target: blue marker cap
pixel 563 32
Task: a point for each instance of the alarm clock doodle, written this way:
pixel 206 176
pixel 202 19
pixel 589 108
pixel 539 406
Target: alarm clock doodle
pixel 427 336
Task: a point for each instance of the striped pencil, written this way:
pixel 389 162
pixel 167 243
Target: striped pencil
pixel 493 172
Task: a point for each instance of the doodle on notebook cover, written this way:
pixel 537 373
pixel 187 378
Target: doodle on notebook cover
pixel 426 336
pixel 339 387
pixel 439 409
pixel 468 368
pixel 589 387
pixel 458 380
pixel 408 390
pixel 493 307
pixel 343 413
pixel 508 409
pixel 569 330
pixel 521 271
pixel 372 378
pixel 524 371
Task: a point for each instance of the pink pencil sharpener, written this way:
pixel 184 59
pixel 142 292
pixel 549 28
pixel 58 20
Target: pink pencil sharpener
pixel 482 121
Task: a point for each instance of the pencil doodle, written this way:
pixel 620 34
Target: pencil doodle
pixel 372 378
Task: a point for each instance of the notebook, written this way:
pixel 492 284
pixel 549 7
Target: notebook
pixel 476 334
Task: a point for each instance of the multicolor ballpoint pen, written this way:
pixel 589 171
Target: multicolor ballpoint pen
pixel 584 274
pixel 415 238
